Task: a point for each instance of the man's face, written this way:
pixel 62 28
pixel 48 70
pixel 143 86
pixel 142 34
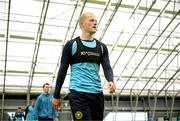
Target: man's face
pixel 19 109
pixel 89 24
pixel 46 88
pixel 32 102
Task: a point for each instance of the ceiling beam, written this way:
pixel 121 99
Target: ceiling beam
pixel 37 44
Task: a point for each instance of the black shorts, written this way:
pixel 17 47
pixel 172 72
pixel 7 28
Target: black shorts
pixel 86 106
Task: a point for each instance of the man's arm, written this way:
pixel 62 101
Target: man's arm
pixel 26 112
pixel 23 116
pixel 108 72
pixel 37 105
pixel 15 116
pixel 65 60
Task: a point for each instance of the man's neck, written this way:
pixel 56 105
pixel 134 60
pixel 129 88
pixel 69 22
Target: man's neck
pixel 86 36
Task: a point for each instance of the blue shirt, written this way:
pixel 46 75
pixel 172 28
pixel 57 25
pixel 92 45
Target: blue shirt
pixel 178 118
pixel 85 76
pixel 31 114
pixel 44 106
pixel 11 118
pixel 19 116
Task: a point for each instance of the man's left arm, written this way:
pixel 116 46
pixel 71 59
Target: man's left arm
pixel 108 72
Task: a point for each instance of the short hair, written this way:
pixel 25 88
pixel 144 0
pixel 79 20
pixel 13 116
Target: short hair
pixel 83 16
pixel 45 84
pixel 33 98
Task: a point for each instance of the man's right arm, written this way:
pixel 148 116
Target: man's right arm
pixel 65 60
pixel 26 111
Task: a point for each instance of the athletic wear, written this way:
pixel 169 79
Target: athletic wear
pixel 19 116
pixel 31 113
pixel 86 54
pixel 44 106
pixel 178 118
pixel 86 106
pixel 86 97
pixel 84 75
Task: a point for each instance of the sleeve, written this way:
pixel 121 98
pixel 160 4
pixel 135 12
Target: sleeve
pixel 65 61
pixel 23 116
pixel 15 116
pixel 26 111
pixel 105 62
pixel 37 104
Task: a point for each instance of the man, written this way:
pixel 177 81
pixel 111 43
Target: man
pixel 31 112
pixel 85 54
pixel 44 107
pixel 178 117
pixel 19 115
pixel 11 117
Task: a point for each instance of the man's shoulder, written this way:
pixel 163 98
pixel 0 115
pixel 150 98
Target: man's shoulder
pixel 70 42
pixel 101 43
pixel 28 106
pixel 40 96
pixel 74 39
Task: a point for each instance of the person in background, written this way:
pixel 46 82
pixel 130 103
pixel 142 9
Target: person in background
pixel 19 115
pixel 149 116
pixel 178 117
pixel 166 117
pixel 45 110
pixel 85 54
pixel 11 117
pixel 31 112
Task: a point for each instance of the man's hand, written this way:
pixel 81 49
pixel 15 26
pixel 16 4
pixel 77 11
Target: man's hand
pixel 111 86
pixel 56 103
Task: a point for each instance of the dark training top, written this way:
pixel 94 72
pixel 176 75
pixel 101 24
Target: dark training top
pixel 85 57
pixel 86 54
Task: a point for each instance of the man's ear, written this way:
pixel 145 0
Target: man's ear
pixel 81 25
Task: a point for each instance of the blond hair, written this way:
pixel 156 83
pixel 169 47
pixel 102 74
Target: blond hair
pixel 83 17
